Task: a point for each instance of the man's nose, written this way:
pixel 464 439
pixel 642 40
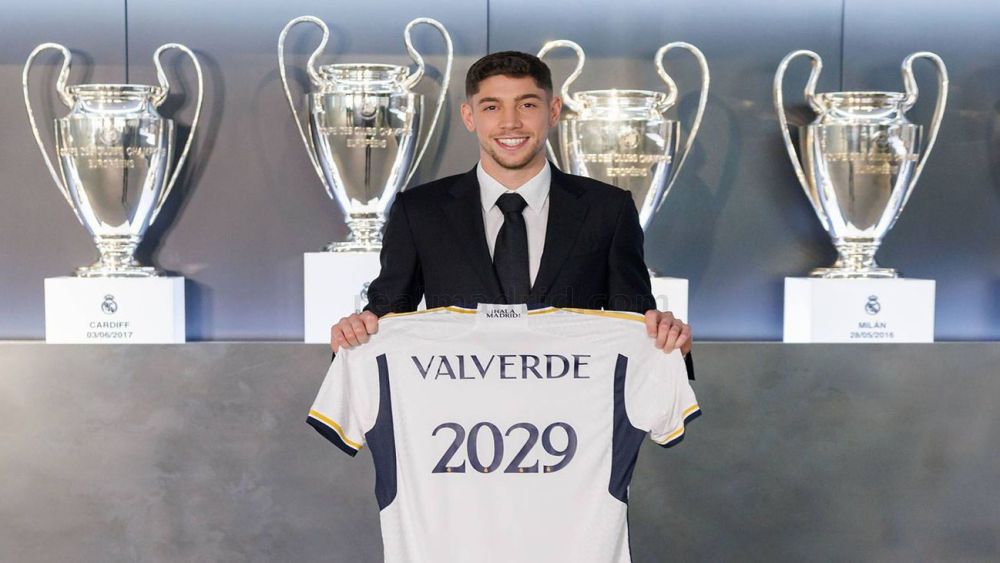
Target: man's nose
pixel 510 118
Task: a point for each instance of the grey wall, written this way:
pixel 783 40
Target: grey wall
pixel 736 222
pixel 200 452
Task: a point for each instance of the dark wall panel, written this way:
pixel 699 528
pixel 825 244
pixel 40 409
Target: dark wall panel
pixel 736 223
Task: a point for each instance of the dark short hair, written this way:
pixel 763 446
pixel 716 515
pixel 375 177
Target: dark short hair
pixel 508 63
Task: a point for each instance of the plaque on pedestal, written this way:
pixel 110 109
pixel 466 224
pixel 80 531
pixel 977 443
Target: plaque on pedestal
pixel 336 285
pixel 671 294
pixel 859 310
pixel 114 310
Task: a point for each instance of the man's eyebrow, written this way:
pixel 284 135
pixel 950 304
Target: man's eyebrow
pixel 516 99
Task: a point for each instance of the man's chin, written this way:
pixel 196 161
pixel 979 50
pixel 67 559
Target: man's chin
pixel 510 164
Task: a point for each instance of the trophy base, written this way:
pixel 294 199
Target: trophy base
pixel 859 310
pixel 352 246
pixel 855 261
pixel 365 236
pixel 100 270
pixel 671 294
pixel 849 274
pixel 114 310
pixel 335 285
pixel 117 260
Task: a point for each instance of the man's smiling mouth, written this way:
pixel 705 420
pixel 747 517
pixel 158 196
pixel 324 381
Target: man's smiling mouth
pixel 512 142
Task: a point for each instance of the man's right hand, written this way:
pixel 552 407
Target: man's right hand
pixel 353 330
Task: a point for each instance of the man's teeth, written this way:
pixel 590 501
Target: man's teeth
pixel 512 142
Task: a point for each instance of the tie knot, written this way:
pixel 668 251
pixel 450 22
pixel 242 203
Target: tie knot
pixel 511 203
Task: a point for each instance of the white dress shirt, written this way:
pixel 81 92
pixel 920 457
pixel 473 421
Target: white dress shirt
pixel 536 215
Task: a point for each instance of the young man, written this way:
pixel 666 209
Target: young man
pixel 513 229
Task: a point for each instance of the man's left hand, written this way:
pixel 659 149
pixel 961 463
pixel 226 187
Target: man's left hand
pixel 670 332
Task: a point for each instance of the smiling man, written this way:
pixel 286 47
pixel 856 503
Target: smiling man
pixel 514 229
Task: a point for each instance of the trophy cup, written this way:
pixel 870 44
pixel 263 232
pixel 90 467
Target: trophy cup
pixel 116 170
pixel 860 159
pixel 361 132
pixel 363 121
pixel 624 138
pixel 858 163
pixel 115 154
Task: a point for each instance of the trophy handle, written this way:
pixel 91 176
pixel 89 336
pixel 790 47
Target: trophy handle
pixel 672 97
pixel 912 93
pixel 567 98
pixel 314 76
pixel 412 81
pixel 165 89
pixel 66 98
pixel 779 106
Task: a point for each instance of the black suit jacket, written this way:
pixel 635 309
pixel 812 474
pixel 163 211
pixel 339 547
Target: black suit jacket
pixel 435 248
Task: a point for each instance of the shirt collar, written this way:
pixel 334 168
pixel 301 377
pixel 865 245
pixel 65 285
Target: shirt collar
pixel 534 191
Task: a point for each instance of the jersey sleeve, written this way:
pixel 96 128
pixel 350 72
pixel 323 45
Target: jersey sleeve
pixel 347 403
pixel 658 397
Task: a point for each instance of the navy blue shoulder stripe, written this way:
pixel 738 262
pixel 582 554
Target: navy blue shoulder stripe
pixel 625 439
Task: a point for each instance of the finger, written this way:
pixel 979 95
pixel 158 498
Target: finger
pixel 662 332
pixel 681 341
pixel 672 333
pixel 371 321
pixel 358 328
pixel 685 337
pixel 333 338
pixel 340 343
pixel 347 333
pixel 652 318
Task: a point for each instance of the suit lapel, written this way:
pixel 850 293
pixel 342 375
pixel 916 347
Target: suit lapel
pixel 464 211
pixel 567 213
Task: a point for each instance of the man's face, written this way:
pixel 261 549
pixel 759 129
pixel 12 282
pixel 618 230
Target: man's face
pixel 511 117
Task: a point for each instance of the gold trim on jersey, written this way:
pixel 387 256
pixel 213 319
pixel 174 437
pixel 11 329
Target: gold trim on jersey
pixel 462 310
pixel 465 311
pixel 336 427
pixel 673 435
pixel 638 317
pixel 409 313
pixel 451 308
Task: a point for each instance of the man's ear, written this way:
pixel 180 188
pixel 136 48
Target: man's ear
pixel 555 108
pixel 466 111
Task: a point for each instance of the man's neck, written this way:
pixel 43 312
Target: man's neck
pixel 511 179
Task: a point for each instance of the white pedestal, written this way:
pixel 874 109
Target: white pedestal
pixel 832 310
pixel 671 294
pixel 114 310
pixel 336 285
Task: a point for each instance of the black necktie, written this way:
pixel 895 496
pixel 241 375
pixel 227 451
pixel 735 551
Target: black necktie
pixel 510 254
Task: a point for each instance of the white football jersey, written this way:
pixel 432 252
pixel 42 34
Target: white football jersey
pixel 504 435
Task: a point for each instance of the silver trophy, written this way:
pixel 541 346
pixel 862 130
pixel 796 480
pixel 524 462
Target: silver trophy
pixel 363 123
pixel 115 153
pixel 859 161
pixel 623 137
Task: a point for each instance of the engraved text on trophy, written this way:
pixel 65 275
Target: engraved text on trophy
pixel 629 155
pixel 114 169
pixel 366 142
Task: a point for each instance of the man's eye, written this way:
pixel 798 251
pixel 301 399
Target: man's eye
pixel 530 105
pixel 489 108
